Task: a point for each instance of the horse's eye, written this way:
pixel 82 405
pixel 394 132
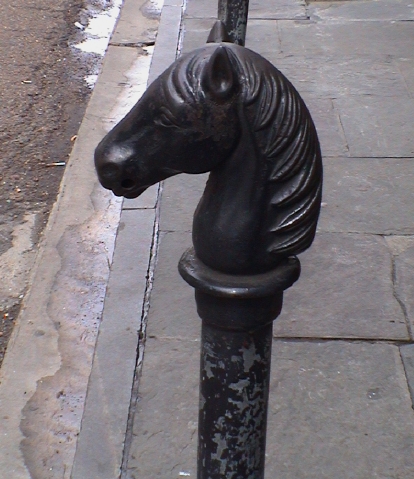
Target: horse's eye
pixel 165 119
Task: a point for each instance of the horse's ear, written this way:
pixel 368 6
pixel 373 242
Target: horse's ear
pixel 218 78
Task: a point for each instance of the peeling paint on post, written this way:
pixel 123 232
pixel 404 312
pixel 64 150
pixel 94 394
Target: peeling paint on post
pixel 237 315
pixel 233 410
pixel 233 13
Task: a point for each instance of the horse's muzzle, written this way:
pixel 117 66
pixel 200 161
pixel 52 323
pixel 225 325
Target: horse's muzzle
pixel 112 174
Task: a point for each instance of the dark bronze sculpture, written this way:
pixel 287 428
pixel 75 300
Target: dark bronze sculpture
pixel 227 110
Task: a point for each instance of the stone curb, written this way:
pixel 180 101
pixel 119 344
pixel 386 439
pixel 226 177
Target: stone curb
pixel 104 434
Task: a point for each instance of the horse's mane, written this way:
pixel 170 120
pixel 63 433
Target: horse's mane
pixel 285 136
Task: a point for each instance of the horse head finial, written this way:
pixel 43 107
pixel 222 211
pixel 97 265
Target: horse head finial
pixel 227 110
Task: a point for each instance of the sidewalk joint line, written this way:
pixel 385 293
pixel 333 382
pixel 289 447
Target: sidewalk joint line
pixel 304 339
pixel 138 208
pixel 141 337
pixel 303 18
pixel 365 233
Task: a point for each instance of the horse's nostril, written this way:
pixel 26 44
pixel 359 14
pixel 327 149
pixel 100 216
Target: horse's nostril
pixel 127 183
pixel 110 171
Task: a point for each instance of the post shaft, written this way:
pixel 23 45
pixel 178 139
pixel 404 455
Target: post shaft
pixel 233 13
pixel 234 391
pixel 237 313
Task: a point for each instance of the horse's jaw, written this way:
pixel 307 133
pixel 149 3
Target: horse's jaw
pixel 134 193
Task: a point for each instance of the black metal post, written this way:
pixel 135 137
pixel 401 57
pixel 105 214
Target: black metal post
pixel 225 109
pixel 234 388
pixel 233 13
pixel 237 313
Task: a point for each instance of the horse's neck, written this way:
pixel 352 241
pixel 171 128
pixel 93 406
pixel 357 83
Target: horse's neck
pixel 237 183
pixel 228 217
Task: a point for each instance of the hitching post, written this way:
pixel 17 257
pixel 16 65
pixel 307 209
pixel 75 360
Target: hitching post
pixel 233 14
pixel 237 313
pixel 225 109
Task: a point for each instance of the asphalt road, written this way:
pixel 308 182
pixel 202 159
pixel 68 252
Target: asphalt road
pixel 43 99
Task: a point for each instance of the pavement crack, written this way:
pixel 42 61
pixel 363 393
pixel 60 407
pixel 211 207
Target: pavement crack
pixel 141 338
pixel 341 125
pixel 410 95
pixel 397 296
pixel 395 289
pixel 407 361
pixel 279 37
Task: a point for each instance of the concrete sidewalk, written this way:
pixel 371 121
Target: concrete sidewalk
pixel 343 358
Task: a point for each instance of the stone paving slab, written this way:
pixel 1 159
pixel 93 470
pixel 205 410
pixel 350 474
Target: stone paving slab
pixel 180 197
pixel 267 9
pixel 195 32
pixel 261 36
pixel 392 10
pixel 345 290
pixel 346 76
pixel 406 66
pixel 165 427
pixel 402 248
pixel 200 9
pixel 173 311
pixel 337 409
pixel 270 10
pixel 328 126
pixel 377 128
pixel 373 39
pixel 368 195
pixel 147 200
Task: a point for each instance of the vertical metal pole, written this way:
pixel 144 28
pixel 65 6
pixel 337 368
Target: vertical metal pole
pixel 237 315
pixel 234 391
pixel 233 13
